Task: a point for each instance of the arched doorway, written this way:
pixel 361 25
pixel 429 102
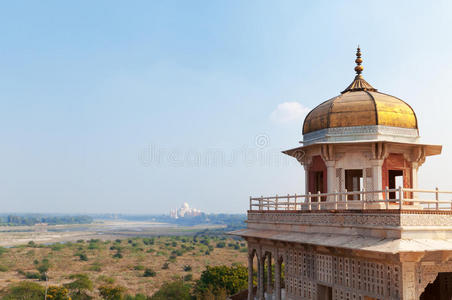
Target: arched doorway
pixel 440 289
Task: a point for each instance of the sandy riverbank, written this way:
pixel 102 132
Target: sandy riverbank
pixel 108 230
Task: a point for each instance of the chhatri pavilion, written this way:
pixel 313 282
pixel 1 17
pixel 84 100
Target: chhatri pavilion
pixel 363 229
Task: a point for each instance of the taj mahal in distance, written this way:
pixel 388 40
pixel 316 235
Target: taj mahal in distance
pixel 363 229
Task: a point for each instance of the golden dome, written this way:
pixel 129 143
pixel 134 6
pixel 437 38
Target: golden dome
pixel 360 105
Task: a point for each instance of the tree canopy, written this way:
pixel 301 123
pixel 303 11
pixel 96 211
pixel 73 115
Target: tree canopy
pixel 176 290
pixel 80 286
pixel 216 279
pixel 25 290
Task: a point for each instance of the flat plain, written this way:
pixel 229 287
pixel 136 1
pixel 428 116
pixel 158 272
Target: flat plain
pixel 118 253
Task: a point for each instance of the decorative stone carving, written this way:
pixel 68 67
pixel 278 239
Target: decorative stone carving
pixel 349 277
pixel 373 132
pixel 345 218
pixel 406 218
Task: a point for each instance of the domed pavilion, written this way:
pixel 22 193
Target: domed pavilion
pixel 362 229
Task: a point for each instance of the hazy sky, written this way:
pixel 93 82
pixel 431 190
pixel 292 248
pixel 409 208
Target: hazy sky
pixel 138 106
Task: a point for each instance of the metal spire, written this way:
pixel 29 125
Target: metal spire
pixel 358 61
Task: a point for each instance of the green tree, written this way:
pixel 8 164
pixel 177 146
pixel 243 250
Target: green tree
pixel 44 266
pixel 80 287
pixel 175 290
pixel 112 292
pixel 231 279
pixel 25 290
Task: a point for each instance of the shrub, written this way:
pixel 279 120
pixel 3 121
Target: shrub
pixel 57 247
pixel 58 293
pixel 188 277
pixel 147 241
pixel 3 250
pixel 44 266
pixel 172 258
pixel 112 292
pixel 93 246
pixel 32 244
pixel 177 252
pixel 83 257
pixel 3 268
pixel 149 273
pixel 174 290
pixel 231 279
pixel 106 279
pixel 117 255
pixel 32 275
pixel 138 268
pixel 96 267
pixel 80 286
pixel 187 268
pixel 221 245
pixel 165 266
pixel 25 290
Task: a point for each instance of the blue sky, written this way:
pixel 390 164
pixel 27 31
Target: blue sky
pixel 138 106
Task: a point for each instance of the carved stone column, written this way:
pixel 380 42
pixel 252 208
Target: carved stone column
pixel 259 274
pixel 269 273
pixel 331 178
pixel 261 287
pixel 306 179
pixel 250 277
pixel 408 281
pixel 277 279
pixel 414 168
pixel 377 177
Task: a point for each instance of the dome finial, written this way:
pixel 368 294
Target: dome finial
pixel 359 84
pixel 358 61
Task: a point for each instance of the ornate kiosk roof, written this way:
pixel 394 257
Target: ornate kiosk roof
pixel 359 110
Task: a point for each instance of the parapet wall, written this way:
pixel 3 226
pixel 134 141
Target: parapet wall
pixel 372 223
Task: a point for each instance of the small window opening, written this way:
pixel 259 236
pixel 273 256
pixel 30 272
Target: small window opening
pixel 353 182
pixel 395 179
pixel 318 184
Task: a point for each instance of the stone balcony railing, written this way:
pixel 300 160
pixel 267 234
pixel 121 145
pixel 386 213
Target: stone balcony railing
pixel 387 199
pixel 372 214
